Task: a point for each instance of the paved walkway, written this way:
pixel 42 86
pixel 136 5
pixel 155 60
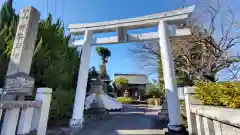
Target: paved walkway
pixel 135 120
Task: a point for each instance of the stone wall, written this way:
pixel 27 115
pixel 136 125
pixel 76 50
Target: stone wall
pixel 210 120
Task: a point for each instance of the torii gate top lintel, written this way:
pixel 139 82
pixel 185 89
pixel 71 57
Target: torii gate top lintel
pixel 174 17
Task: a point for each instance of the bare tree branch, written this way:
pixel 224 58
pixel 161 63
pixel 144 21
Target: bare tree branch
pixel 204 54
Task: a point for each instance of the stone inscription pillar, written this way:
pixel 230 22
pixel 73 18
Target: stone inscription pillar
pixel 24 42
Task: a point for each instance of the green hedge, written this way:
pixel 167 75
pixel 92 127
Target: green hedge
pixel 62 104
pixel 154 92
pixel 124 100
pixel 184 121
pixel 219 94
pixel 151 101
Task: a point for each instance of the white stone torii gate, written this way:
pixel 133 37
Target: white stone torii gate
pixel 163 20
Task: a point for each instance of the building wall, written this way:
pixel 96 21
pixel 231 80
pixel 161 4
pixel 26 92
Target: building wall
pixel 132 88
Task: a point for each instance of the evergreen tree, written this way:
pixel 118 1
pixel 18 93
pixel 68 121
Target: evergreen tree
pixel 54 65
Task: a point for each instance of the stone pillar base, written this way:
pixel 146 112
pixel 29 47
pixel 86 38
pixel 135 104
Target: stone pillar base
pixel 163 114
pixel 76 123
pixel 177 130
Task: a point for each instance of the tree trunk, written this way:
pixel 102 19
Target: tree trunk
pixel 103 70
pixel 210 77
pixel 103 61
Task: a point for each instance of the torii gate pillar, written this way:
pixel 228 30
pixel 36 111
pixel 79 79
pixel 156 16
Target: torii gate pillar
pixel 169 78
pixel 78 110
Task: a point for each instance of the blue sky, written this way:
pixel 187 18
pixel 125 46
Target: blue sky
pixel 85 11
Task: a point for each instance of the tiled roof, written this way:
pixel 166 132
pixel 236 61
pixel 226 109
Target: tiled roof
pixel 134 78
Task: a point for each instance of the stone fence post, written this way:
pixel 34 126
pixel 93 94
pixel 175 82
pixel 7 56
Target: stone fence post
pixel 40 115
pixel 191 118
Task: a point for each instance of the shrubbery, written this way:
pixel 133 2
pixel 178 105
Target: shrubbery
pixel 154 93
pixel 219 94
pixel 151 101
pixel 62 104
pixel 124 100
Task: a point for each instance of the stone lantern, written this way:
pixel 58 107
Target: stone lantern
pixel 126 93
pixel 96 110
pixel 96 85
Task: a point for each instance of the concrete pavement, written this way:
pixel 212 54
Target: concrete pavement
pixel 134 120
